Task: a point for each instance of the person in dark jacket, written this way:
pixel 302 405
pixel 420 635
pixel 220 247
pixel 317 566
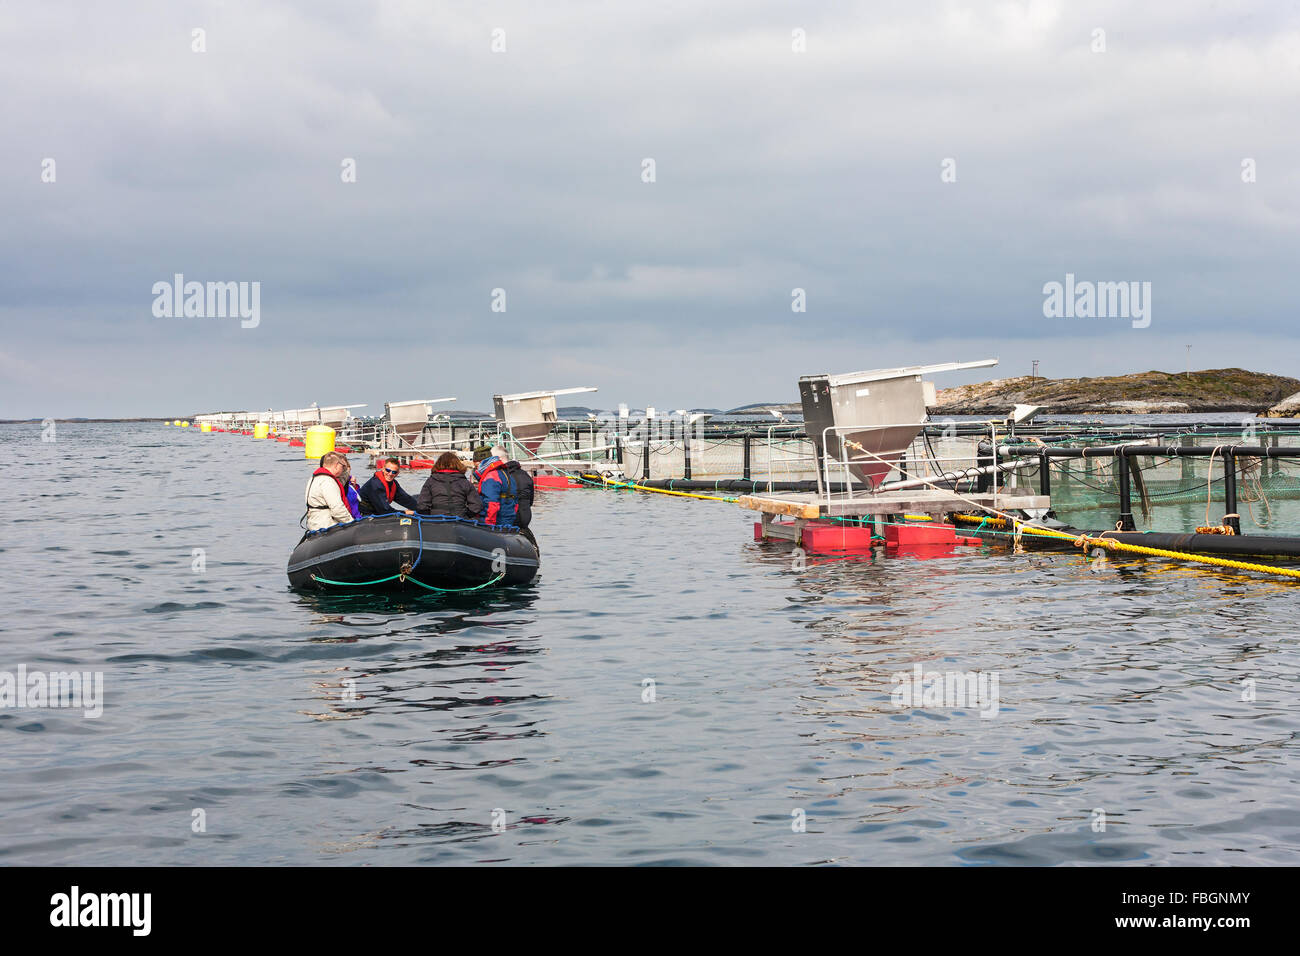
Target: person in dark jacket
pixel 380 492
pixel 523 484
pixel 447 491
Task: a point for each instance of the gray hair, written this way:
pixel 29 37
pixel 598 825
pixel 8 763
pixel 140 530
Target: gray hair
pixel 331 458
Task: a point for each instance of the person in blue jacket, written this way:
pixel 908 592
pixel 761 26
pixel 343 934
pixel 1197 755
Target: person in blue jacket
pixel 382 495
pixel 497 488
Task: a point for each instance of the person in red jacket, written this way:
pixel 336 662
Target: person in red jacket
pixel 497 488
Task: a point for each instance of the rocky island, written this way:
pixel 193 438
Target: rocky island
pixel 1141 393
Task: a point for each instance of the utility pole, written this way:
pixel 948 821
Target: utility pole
pixel 1189 361
pixel 1034 376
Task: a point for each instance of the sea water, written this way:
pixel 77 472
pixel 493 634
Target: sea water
pixel 668 692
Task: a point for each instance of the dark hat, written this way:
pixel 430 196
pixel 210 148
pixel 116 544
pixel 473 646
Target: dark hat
pixel 482 452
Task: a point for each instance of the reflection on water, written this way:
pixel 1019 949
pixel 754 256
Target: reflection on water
pixel 517 725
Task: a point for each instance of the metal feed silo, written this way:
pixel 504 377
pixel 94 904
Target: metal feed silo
pixel 880 411
pixel 530 416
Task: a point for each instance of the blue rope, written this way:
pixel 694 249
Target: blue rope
pixel 420 527
pixel 437 519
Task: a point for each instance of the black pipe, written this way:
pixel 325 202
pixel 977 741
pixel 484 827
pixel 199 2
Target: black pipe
pixel 752 486
pixel 1226 545
pixel 1125 502
pixel 983 451
pixel 1044 476
pixel 1155 451
pixel 1230 517
pixel 747 453
pixel 686 452
pixel 645 452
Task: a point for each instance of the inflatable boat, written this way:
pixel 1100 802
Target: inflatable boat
pixel 412 552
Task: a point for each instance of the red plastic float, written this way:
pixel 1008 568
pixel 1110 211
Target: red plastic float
pixel 555 482
pixel 835 536
pixel 925 535
pixel 917 540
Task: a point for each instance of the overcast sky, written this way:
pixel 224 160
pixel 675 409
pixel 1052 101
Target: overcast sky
pixel 522 170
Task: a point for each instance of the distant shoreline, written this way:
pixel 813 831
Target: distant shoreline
pixel 1209 391
pixel 84 421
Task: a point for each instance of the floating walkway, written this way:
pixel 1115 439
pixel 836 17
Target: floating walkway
pixel 934 503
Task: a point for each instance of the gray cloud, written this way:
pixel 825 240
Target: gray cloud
pixel 521 170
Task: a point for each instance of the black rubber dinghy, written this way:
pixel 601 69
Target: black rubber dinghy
pixel 416 553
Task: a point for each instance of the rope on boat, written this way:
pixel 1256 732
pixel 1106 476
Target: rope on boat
pixel 403 576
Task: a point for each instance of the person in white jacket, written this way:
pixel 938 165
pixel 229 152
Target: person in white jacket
pixel 327 494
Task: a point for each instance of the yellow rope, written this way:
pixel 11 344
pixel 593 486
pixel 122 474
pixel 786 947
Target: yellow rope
pixel 660 491
pixel 976 519
pixel 1085 541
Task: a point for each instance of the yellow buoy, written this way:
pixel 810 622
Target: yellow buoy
pixel 261 430
pixel 176 422
pixel 185 424
pixel 205 427
pixel 318 440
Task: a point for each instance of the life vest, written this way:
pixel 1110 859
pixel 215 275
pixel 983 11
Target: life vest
pixel 343 489
pixel 506 480
pixel 390 488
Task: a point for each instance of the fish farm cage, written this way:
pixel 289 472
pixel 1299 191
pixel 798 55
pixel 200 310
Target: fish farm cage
pixel 1132 468
pixel 1078 462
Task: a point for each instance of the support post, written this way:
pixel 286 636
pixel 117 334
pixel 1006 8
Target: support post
pixel 1044 474
pixel 746 456
pixel 1126 522
pixel 984 481
pixel 1230 516
pixel 686 451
